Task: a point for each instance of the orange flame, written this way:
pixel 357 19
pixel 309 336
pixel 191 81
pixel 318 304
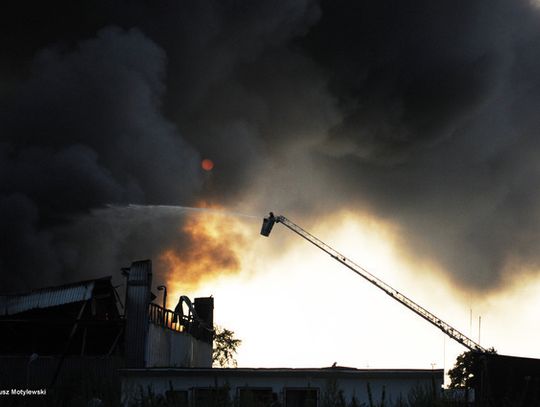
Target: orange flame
pixel 212 248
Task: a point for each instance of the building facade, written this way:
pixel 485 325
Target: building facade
pixel 286 387
pixel 82 333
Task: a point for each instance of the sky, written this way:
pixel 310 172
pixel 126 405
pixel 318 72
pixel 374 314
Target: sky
pixel 403 133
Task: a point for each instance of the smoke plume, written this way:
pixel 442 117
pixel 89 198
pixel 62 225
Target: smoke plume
pixel 421 112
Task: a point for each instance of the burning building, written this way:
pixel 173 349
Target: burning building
pixel 83 333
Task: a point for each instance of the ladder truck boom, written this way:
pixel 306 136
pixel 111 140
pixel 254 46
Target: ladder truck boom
pixel 453 333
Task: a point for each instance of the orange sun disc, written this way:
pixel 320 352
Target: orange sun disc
pixel 207 164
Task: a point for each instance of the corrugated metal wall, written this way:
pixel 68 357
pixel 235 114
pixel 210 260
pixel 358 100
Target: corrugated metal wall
pixel 10 305
pixel 138 298
pixel 168 348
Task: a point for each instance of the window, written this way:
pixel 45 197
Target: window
pixel 301 397
pixel 210 396
pixel 177 398
pixel 255 396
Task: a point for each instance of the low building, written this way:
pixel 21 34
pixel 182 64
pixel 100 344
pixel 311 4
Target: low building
pixel 502 380
pixel 280 387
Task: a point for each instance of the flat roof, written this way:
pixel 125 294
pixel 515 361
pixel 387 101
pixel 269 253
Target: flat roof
pixel 282 371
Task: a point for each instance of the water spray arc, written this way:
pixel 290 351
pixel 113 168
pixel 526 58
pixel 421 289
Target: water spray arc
pixel 268 224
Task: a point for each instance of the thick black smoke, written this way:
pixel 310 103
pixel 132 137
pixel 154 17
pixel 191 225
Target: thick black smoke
pixel 439 132
pixel 116 104
pixel 85 129
pixel 422 112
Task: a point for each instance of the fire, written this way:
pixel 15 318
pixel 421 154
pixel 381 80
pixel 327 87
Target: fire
pixel 211 248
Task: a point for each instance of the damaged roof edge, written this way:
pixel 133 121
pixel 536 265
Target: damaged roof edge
pixel 12 304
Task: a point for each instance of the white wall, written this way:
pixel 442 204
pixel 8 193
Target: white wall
pixel 168 348
pixel 395 385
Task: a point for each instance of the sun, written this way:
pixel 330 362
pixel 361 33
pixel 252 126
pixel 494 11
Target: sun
pixel 207 164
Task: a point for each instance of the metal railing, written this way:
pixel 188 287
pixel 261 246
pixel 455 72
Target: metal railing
pixel 168 318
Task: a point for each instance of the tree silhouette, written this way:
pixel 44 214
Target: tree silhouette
pixel 463 374
pixel 225 347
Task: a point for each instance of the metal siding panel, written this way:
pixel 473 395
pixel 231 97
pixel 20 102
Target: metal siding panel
pixel 52 297
pixel 43 299
pixel 138 298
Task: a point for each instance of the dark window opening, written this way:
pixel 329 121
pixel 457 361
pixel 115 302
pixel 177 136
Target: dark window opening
pixel 210 397
pixel 177 398
pixel 256 397
pixel 301 397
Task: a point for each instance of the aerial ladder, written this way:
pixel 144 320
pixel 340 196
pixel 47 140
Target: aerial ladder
pixel 453 333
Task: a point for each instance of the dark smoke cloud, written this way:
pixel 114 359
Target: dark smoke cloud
pixel 438 132
pixel 422 112
pixel 118 104
pixel 83 130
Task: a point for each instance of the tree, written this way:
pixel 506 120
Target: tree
pixel 225 346
pixel 463 374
